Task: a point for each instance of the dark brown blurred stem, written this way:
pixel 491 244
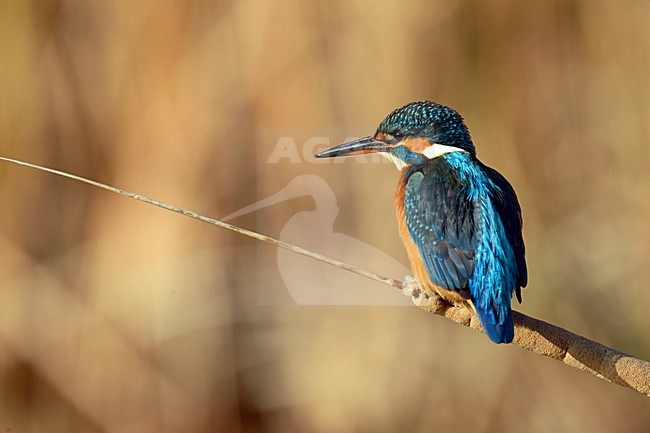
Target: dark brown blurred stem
pixel 531 334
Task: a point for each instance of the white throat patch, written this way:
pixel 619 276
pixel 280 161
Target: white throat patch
pixel 435 150
pixel 398 162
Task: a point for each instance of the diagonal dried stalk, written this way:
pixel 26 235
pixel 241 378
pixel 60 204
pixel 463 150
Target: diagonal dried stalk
pixel 531 334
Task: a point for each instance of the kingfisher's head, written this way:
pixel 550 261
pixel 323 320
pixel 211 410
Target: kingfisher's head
pixel 412 135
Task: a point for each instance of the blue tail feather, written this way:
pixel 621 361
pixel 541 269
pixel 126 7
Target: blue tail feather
pixel 499 329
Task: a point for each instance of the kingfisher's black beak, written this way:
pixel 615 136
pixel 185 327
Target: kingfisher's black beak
pixel 357 147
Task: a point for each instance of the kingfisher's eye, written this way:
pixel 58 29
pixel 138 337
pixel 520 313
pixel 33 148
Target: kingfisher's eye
pixel 392 138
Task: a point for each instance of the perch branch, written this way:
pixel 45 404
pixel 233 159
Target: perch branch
pixel 531 334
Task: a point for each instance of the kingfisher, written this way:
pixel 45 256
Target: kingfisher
pixel 459 219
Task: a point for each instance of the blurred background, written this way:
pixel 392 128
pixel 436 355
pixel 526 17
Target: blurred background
pixel 118 316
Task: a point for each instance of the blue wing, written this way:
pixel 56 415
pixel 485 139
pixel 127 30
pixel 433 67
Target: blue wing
pixel 506 204
pixel 468 232
pixel 442 226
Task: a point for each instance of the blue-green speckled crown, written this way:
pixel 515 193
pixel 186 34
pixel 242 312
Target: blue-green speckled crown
pixel 426 119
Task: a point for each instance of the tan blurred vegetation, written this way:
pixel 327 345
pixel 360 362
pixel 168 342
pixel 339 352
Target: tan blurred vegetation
pixel 116 316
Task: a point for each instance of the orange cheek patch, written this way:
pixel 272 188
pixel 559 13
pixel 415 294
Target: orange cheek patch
pixel 416 145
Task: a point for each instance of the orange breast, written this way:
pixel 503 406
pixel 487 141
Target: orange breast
pixel 417 265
